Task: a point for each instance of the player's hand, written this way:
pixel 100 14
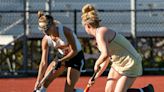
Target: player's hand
pixel 90 82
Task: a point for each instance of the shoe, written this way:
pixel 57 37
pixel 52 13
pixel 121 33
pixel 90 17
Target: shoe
pixel 149 88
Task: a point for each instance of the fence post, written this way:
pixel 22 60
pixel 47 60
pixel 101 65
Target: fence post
pixel 75 21
pixel 26 29
pixel 48 7
pixel 133 22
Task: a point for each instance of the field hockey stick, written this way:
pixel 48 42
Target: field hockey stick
pixel 47 76
pixel 92 79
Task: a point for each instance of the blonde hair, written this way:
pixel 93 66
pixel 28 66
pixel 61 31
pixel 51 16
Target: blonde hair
pixel 89 15
pixel 45 21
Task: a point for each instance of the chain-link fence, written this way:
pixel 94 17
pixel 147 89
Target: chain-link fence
pixel 20 17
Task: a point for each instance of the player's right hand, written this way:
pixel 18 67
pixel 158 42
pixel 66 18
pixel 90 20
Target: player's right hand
pixel 90 82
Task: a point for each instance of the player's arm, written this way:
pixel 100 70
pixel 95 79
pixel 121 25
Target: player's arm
pixel 97 73
pixel 103 67
pixel 43 63
pixel 72 45
pixel 102 42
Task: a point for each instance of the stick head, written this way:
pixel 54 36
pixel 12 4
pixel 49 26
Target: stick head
pixel 36 91
pixel 86 89
pixel 79 90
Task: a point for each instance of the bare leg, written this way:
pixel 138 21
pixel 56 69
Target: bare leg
pixel 113 76
pixel 124 83
pixel 53 76
pixel 72 77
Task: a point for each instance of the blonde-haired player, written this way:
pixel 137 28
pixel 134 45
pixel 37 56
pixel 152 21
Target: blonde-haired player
pixel 126 62
pixel 66 42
